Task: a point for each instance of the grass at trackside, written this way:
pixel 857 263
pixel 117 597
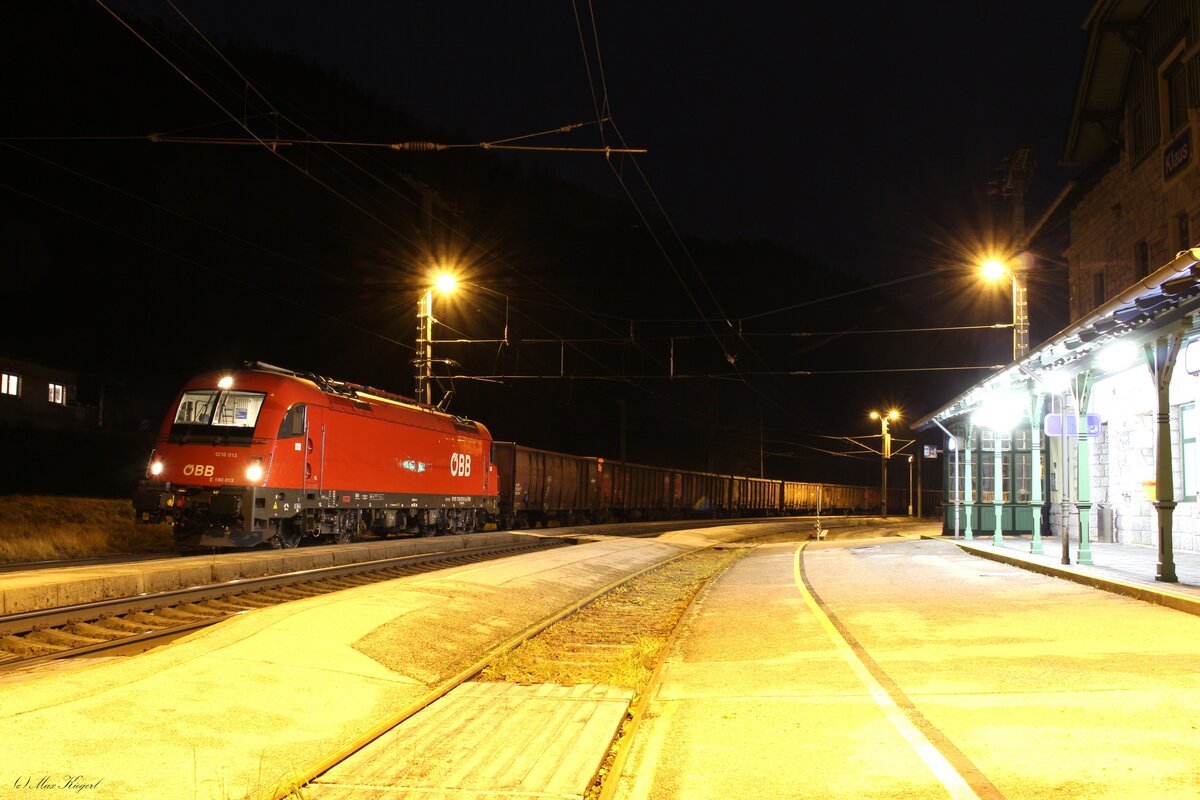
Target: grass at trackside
pixel 616 640
pixel 41 528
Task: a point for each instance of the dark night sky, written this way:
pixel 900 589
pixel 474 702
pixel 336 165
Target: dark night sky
pixel 848 131
pixel 860 137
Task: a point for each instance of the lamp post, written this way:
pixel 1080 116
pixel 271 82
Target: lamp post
pixel 886 452
pixel 423 361
pixel 910 496
pixel 994 270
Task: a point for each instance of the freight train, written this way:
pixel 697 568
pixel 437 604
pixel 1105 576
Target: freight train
pixel 266 456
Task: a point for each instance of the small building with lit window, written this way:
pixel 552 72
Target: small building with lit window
pixel 1104 441
pixel 39 396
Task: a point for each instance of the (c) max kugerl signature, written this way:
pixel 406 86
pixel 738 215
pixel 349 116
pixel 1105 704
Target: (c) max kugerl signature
pixel 77 783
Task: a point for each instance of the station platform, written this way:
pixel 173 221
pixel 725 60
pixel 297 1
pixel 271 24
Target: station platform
pixel 244 708
pixel 1125 569
pixel 21 592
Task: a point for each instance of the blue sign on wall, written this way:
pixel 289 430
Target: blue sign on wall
pixel 1076 426
pixel 1178 155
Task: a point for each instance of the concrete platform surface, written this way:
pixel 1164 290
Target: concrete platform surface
pixel 756 702
pixel 487 740
pixel 1125 569
pixel 232 710
pixel 52 588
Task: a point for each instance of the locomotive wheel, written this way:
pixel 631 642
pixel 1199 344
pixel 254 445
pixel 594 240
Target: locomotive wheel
pixel 286 536
pixel 354 530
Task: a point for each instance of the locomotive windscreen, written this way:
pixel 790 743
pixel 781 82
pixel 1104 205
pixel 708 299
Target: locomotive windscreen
pixel 216 412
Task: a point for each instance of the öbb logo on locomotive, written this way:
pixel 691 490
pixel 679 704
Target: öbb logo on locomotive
pixel 460 465
pixel 267 456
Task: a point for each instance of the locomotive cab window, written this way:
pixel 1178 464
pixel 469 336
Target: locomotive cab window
pixel 293 422
pixel 237 409
pixel 196 407
pixel 211 408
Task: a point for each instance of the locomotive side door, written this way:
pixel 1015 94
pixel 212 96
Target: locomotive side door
pixel 299 452
pixel 314 452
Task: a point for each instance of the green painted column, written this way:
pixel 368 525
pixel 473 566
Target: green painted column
pixel 1036 409
pixel 1083 501
pixel 968 484
pixel 997 490
pixel 1160 357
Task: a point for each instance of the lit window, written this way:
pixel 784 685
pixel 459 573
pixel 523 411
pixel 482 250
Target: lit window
pixel 987 465
pixel 10 384
pixel 1187 437
pixel 1023 480
pixel 58 394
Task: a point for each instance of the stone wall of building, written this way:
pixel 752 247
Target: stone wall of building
pixel 1129 205
pixel 1123 460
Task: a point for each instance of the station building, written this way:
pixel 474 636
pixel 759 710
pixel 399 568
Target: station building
pixel 35 395
pixel 1095 430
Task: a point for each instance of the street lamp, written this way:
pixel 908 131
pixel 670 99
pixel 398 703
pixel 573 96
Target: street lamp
pixel 886 452
pixel 994 270
pixel 444 283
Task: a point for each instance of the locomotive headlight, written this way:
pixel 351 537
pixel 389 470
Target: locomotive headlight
pixel 254 472
pixel 155 466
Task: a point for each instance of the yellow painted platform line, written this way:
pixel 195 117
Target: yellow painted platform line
pixel 942 769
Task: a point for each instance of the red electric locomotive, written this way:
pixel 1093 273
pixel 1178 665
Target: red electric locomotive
pixel 266 455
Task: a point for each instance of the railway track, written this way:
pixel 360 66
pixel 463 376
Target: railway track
pixel 68 631
pixel 580 652
pixel 632 529
pixel 655 604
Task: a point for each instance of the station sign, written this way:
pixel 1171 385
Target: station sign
pixel 930 451
pixel 1177 156
pixel 1087 425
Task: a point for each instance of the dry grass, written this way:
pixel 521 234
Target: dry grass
pixel 618 639
pixel 35 528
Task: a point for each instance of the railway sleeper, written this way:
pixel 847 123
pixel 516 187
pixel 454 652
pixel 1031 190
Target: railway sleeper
pixel 21 647
pixel 61 639
pixel 98 632
pixel 121 625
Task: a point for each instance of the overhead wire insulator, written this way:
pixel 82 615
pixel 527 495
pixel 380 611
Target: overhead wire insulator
pixel 419 147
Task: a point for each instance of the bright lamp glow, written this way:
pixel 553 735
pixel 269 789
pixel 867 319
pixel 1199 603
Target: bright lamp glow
pixel 994 269
pixel 1000 411
pixel 254 473
pixel 156 468
pixel 1117 356
pixel 225 382
pixel 445 283
pixel 1056 382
